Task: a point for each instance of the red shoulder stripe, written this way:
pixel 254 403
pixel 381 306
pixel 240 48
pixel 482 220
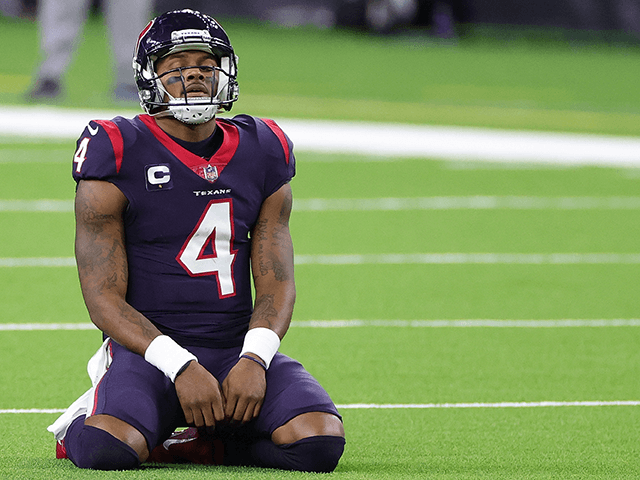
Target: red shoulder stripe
pixel 116 140
pixel 281 136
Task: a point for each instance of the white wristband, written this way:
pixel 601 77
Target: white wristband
pixel 262 342
pixel 167 356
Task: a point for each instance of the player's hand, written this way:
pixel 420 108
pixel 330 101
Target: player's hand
pixel 244 390
pixel 200 396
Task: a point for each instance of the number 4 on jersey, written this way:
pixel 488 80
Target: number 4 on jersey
pixel 81 154
pixel 214 229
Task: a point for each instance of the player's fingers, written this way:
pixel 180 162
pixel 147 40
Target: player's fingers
pixel 224 388
pixel 230 405
pixel 241 410
pixel 218 409
pixel 248 413
pixel 230 401
pixel 208 416
pixel 198 419
pixel 188 416
pixel 256 410
pixel 253 411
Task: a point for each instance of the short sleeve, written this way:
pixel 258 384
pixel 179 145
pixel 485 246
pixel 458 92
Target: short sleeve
pixel 279 147
pixel 99 152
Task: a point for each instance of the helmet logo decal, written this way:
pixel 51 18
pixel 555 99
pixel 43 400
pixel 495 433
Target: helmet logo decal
pixel 183 36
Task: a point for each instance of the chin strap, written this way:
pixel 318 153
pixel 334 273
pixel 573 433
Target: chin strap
pixel 189 114
pixel 194 111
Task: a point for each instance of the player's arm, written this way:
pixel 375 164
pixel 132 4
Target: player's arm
pixel 272 265
pixel 102 265
pixel 103 271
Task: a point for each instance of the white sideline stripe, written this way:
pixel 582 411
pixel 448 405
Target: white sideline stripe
pixel 396 204
pixel 396 406
pixel 377 139
pixel 403 259
pixel 462 143
pixel 466 323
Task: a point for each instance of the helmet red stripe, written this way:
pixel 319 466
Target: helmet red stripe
pixel 143 33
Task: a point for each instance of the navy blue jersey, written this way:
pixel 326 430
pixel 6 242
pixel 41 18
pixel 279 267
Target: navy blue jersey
pixel 189 219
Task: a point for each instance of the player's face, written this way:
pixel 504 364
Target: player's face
pixel 196 74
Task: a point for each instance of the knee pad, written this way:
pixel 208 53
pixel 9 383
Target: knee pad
pixel 91 447
pixel 315 454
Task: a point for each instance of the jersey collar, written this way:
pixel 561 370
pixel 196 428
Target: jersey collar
pixel 198 164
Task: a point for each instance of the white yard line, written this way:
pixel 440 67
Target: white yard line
pixel 402 259
pixel 42 205
pixel 354 323
pixel 470 258
pixel 32 410
pixel 471 323
pixel 31 327
pixel 367 406
pixel 377 139
pixel 479 202
pixel 37 262
pixel 421 406
pixel 476 202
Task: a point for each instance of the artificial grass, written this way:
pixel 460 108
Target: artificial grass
pixel 341 74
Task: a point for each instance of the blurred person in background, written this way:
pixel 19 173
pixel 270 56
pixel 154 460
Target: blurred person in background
pixel 60 23
pixel 386 16
pixel 11 8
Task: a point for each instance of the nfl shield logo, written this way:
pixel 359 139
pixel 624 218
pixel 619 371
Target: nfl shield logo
pixel 210 173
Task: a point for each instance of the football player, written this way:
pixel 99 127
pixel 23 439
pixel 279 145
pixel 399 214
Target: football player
pixel 175 210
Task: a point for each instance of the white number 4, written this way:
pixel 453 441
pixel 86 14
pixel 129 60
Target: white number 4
pixel 81 154
pixel 215 229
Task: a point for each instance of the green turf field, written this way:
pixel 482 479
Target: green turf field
pixel 448 382
pixel 487 80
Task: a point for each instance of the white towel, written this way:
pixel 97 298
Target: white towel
pixel 96 368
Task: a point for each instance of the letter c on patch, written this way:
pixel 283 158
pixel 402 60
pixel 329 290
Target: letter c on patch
pixel 158 175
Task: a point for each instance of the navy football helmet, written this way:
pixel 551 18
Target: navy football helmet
pixel 178 31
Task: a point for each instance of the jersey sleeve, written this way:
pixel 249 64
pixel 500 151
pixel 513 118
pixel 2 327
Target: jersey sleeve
pixel 279 149
pixel 99 152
